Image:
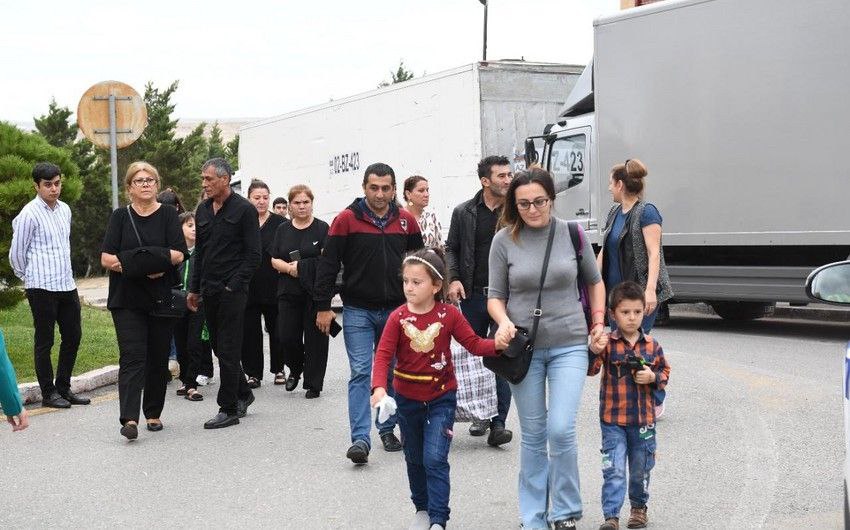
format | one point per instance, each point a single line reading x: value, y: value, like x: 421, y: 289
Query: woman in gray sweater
x: 548, y: 480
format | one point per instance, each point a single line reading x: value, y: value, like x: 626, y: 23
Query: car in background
x: 830, y: 284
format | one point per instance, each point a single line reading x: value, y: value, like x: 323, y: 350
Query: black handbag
x: 167, y: 304
x: 171, y: 305
x: 512, y: 364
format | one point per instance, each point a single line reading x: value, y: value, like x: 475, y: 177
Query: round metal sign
x: 131, y: 114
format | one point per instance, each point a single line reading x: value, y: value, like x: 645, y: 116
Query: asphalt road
x: 752, y: 439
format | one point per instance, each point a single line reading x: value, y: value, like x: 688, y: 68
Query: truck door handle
x: 581, y: 213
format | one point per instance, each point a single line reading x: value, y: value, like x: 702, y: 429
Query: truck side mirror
x: 830, y: 283
x: 531, y: 155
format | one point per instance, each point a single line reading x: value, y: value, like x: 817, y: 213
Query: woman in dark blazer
x: 137, y: 280
x: 262, y: 302
x: 296, y: 250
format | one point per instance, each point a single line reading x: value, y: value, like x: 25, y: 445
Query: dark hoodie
x: 370, y: 255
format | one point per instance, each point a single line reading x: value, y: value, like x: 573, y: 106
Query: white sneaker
x: 421, y: 521
x: 203, y: 380
x: 435, y: 526
x: 174, y: 368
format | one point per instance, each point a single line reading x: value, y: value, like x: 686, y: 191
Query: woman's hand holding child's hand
x: 377, y: 395
x: 645, y: 376
x: 598, y: 340
x: 504, y: 334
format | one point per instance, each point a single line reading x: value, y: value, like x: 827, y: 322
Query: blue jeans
x: 646, y: 326
x: 362, y: 330
x: 619, y: 443
x: 553, y: 474
x: 426, y: 433
x: 474, y: 308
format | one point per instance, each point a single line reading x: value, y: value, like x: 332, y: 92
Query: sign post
x: 118, y: 125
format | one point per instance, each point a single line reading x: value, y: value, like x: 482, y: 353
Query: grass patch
x: 98, y: 348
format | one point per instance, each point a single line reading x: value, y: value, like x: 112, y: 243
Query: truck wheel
x: 743, y: 310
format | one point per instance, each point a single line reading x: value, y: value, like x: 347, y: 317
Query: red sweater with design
x: 421, y: 345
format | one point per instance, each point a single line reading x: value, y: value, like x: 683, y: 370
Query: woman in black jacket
x: 262, y: 302
x: 142, y: 245
x: 295, y: 253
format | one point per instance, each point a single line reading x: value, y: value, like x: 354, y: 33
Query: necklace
x: 144, y: 210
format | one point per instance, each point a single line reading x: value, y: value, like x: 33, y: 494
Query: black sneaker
x: 479, y: 427
x: 499, y: 435
x: 55, y: 401
x: 243, y: 404
x: 565, y: 524
x: 358, y: 453
x: 221, y: 420
x: 391, y: 442
x: 74, y: 399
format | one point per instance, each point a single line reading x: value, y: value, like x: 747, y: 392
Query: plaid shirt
x: 621, y: 400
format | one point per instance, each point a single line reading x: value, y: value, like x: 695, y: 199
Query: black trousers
x: 144, y: 343
x: 192, y: 352
x: 252, y: 340
x: 225, y: 312
x: 48, y: 309
x: 305, y: 348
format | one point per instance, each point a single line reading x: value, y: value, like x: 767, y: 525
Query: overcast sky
x: 262, y: 58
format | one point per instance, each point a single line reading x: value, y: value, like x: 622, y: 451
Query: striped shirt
x: 621, y: 400
x: 41, y: 246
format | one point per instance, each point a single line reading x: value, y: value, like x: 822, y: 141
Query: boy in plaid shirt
x: 634, y: 367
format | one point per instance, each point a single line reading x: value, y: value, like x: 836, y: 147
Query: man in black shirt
x: 467, y: 257
x: 227, y: 247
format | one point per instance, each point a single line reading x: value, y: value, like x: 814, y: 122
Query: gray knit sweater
x: 515, y: 268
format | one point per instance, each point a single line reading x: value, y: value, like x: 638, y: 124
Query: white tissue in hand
x: 386, y: 408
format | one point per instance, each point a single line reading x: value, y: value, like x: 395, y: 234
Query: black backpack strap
x: 575, y: 237
x: 538, y: 310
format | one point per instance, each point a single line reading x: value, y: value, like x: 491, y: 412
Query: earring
x: 410, y: 203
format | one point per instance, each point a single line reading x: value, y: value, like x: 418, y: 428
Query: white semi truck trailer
x: 438, y: 126
x: 741, y: 112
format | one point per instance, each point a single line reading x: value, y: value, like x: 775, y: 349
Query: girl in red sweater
x: 418, y: 334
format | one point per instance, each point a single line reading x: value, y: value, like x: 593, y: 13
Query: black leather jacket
x: 460, y: 244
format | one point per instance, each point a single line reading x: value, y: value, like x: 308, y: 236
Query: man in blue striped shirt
x: 41, y: 257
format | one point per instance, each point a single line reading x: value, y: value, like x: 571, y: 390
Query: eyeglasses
x: 144, y: 182
x: 538, y: 203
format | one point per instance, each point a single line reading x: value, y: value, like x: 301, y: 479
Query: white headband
x: 420, y: 260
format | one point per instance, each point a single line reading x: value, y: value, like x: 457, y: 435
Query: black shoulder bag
x: 514, y: 361
x: 170, y: 304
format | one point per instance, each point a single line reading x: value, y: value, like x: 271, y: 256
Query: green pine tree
x: 232, y: 152
x: 216, y: 143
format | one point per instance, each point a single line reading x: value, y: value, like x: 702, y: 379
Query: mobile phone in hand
x: 295, y: 255
x: 335, y: 328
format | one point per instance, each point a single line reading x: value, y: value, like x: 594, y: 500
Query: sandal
x: 253, y: 382
x: 181, y: 391
x: 280, y: 378
x: 194, y: 395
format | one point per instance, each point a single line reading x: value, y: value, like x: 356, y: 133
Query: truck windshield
x: 567, y: 161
